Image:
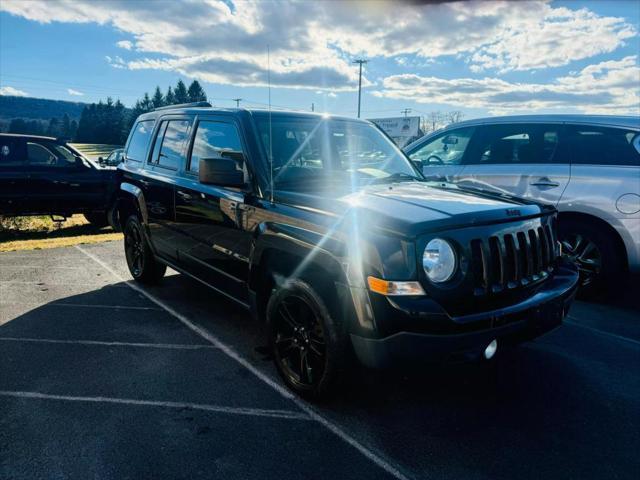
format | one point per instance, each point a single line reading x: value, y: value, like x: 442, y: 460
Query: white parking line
x: 255, y: 412
x: 169, y: 346
x: 374, y: 457
x: 600, y: 332
x: 117, y: 307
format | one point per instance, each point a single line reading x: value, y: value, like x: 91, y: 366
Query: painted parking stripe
x: 117, y: 307
x: 369, y: 453
x: 169, y: 346
x: 255, y: 412
x: 600, y: 332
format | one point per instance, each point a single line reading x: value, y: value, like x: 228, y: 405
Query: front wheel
x: 308, y: 345
x: 143, y: 265
x: 595, y: 254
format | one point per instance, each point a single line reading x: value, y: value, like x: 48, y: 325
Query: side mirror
x: 220, y: 171
x: 79, y: 163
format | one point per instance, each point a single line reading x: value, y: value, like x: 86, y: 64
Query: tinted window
x: 602, y: 146
x: 12, y: 152
x: 137, y: 147
x: 173, y: 142
x: 215, y: 139
x: 519, y: 143
x: 49, y: 154
x: 445, y: 149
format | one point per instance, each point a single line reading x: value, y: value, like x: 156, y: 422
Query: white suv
x: 588, y: 166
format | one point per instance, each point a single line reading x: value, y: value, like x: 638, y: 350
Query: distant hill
x: 38, y: 108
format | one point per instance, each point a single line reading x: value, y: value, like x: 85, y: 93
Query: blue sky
x: 480, y: 58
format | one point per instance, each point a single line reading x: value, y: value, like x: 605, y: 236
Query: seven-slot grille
x: 512, y: 259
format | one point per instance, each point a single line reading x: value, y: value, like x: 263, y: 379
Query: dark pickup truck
x: 47, y: 176
x: 326, y: 232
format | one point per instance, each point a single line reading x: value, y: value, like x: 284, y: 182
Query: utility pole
x: 237, y: 100
x: 313, y: 107
x: 406, y: 111
x: 360, y: 62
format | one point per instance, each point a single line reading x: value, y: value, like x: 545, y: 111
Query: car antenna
x: 270, y: 131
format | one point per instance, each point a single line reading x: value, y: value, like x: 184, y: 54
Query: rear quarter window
x: 139, y: 140
x: 603, y: 146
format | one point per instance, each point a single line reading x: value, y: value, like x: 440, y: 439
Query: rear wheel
x: 594, y: 252
x: 143, y: 265
x: 308, y: 345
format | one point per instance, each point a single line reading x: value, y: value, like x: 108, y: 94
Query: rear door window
x: 602, y: 146
x: 515, y: 144
x: 169, y: 149
x: 139, y: 140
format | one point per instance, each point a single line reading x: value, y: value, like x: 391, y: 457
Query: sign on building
x: 401, y: 129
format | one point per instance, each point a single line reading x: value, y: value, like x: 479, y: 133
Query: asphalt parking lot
x: 101, y: 379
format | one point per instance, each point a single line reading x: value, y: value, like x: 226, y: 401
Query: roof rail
x: 183, y: 105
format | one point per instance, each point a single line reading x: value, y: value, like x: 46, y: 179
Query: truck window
x: 12, y: 152
x: 215, y: 139
x: 139, y: 140
x: 172, y: 145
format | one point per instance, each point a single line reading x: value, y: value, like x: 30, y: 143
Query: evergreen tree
x: 53, y: 130
x: 73, y: 130
x: 17, y: 125
x: 170, y: 98
x: 66, y: 127
x: 181, y: 92
x: 157, y: 99
x: 196, y: 92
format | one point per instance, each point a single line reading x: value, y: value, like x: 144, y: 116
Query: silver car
x: 588, y: 166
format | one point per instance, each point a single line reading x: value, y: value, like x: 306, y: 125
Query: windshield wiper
x: 396, y: 177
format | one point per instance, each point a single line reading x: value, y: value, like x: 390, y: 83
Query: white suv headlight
x: 439, y: 260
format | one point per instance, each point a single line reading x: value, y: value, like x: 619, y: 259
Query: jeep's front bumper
x: 469, y: 335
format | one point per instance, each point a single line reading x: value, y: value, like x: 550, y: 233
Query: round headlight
x: 439, y: 260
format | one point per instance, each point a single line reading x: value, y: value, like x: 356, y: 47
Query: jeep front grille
x: 510, y: 260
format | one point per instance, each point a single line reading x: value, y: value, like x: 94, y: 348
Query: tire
x: 97, y: 219
x: 308, y: 345
x: 143, y: 265
x: 594, y: 252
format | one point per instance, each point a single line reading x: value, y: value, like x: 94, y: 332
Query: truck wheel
x: 97, y: 219
x: 143, y: 265
x: 307, y: 344
x: 594, y: 252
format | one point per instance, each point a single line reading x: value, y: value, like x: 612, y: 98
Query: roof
x: 612, y: 120
x: 20, y: 135
x: 242, y: 111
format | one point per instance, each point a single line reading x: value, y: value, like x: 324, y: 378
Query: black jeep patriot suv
x: 322, y: 228
x: 47, y: 176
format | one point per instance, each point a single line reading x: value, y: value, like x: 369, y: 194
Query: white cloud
x: 73, y: 92
x: 312, y: 42
x: 606, y: 87
x: 126, y: 44
x: 10, y: 91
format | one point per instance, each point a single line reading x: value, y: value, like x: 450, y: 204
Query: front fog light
x: 439, y: 260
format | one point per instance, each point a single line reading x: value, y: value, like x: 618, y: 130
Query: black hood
x: 413, y: 208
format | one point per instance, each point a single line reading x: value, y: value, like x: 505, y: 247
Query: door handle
x: 184, y: 196
x: 545, y: 182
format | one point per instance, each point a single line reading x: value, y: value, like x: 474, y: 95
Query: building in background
x: 403, y: 130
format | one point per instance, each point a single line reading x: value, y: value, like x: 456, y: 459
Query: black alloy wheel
x: 308, y: 343
x: 142, y: 264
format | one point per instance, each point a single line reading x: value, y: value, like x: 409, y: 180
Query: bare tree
x: 454, y: 116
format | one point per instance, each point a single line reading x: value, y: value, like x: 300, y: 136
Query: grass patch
x: 32, y: 233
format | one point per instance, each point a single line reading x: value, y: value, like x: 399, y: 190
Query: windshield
x: 321, y: 153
